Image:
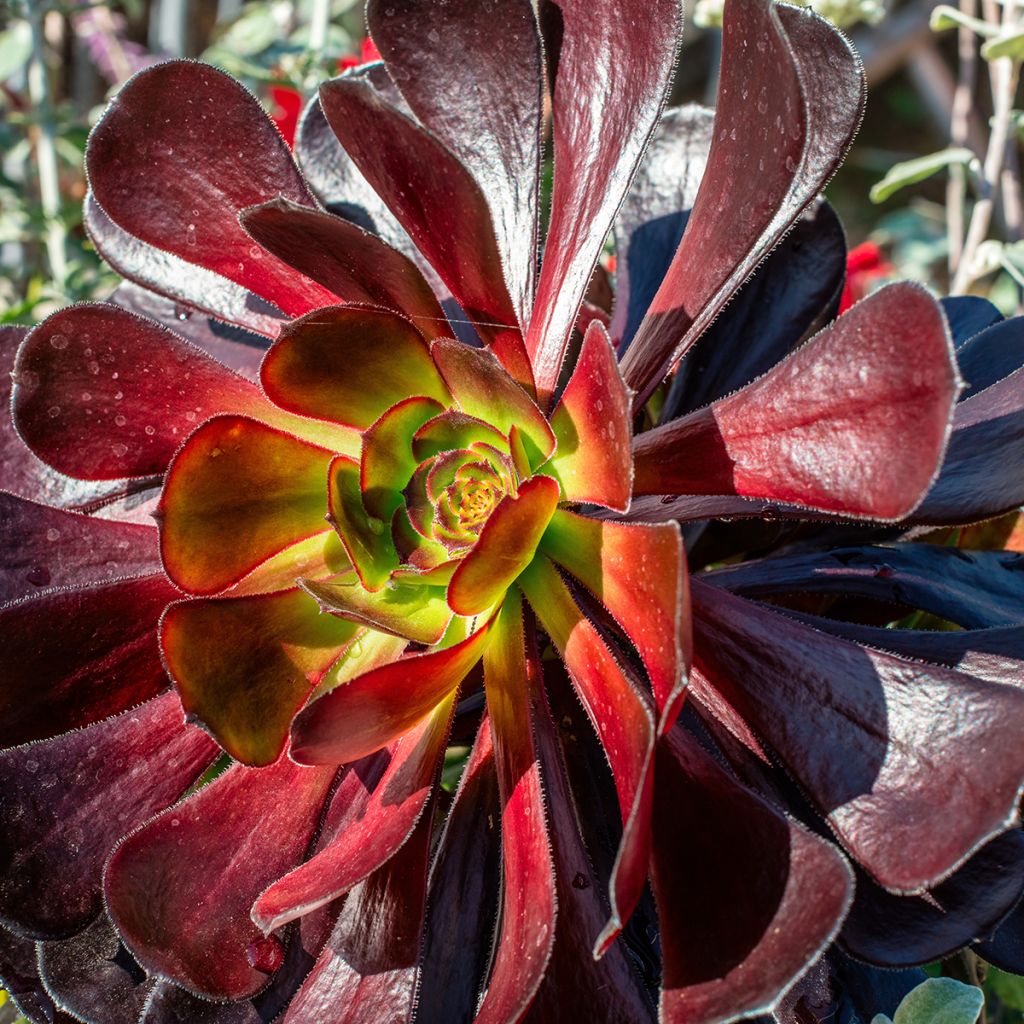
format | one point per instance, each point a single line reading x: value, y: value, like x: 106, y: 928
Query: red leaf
x: 622, y: 720
x: 790, y: 99
x: 180, y: 888
x: 620, y: 55
x: 828, y: 427
x: 513, y: 683
x: 377, y: 818
x: 202, y: 150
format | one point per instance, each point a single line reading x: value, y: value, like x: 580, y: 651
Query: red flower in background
x: 287, y: 102
x: 866, y: 267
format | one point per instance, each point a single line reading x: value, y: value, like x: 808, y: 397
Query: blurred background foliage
x: 930, y: 191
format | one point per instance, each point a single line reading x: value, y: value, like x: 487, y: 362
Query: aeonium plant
x: 440, y: 522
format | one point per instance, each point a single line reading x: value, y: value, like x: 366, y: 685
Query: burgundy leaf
x: 66, y: 801
x: 827, y: 427
x: 748, y: 899
x: 790, y: 99
x: 101, y: 393
x: 25, y: 474
x: 237, y: 348
x: 168, y: 1004
x: 650, y: 223
x: 367, y: 971
x: 20, y: 980
x: 179, y: 889
x: 794, y: 292
x: 483, y: 101
x: 437, y: 202
x: 92, y: 975
x: 975, y: 589
x: 979, y: 478
x: 513, y: 681
x: 605, y: 989
x: 346, y: 259
x: 108, y: 659
x: 377, y: 820
x: 623, y: 720
x: 917, y: 789
x: 903, y: 931
x: 48, y: 547
x: 202, y: 150
x: 465, y: 878
x: 620, y: 56
x: 169, y: 275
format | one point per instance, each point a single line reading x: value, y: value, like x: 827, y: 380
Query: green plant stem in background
x: 45, y: 148
x: 959, y: 133
x: 319, y: 20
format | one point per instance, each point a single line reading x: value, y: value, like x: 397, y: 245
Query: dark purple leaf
x: 107, y: 660
x: 793, y: 293
x: 605, y: 989
x: 1005, y: 948
x: 48, y: 547
x: 463, y: 895
x: 790, y: 98
x: 904, y: 931
x: 930, y: 769
x: 968, y: 315
x: 20, y: 979
x: 202, y: 150
x: 168, y: 1004
x: 974, y: 589
x: 66, y: 801
x: 979, y: 477
x: 748, y: 899
x: 620, y: 56
x: 473, y: 75
x: 94, y: 976
x: 990, y: 356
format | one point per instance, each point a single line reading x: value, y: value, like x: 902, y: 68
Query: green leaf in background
x: 1010, y: 44
x: 944, y: 17
x: 1008, y: 988
x: 911, y: 171
x: 937, y: 1001
x: 15, y: 48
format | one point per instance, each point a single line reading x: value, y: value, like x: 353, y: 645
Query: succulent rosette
x: 421, y: 498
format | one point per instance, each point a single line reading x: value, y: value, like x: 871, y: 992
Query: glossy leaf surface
x: 180, y: 888
x: 592, y: 425
x: 203, y: 151
x: 374, y: 709
x: 827, y: 427
x: 54, y: 843
x: 917, y: 791
x: 238, y: 492
x: 244, y: 665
